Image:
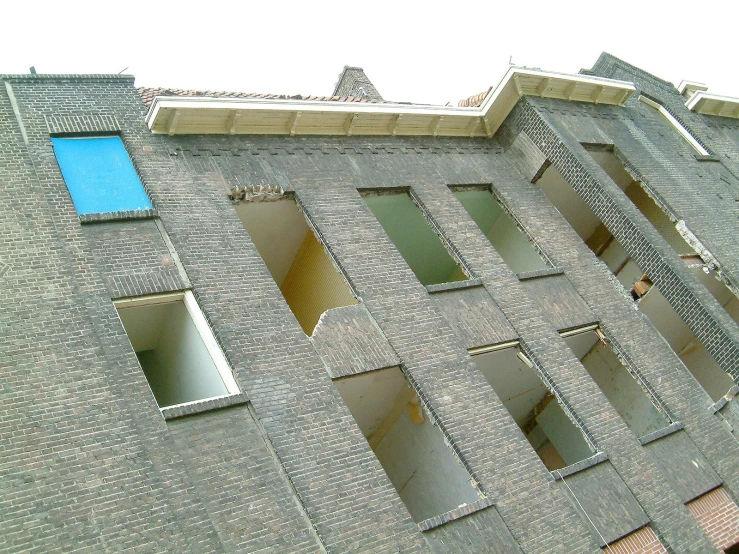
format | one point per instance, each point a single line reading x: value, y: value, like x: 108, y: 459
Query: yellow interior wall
x: 313, y: 285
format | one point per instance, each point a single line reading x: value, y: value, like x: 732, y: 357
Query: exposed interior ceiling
x: 372, y: 396
x: 613, y: 166
x: 277, y: 229
x: 582, y: 343
x: 482, y: 207
x: 518, y: 386
x: 568, y: 202
x: 500, y: 229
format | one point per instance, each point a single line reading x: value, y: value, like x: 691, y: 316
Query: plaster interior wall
x: 685, y: 344
x: 298, y: 262
x: 623, y: 391
x: 416, y: 241
x: 172, y: 354
x: 590, y: 228
x: 639, y: 197
x: 719, y: 291
x: 502, y: 232
x: 429, y: 478
x: 556, y: 439
x: 678, y: 335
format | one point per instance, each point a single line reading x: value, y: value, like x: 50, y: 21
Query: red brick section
x: 718, y: 516
x: 643, y: 541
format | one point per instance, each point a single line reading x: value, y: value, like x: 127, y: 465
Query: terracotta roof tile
x: 148, y: 93
x: 474, y: 101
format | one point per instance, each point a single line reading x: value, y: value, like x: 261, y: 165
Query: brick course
x: 88, y: 462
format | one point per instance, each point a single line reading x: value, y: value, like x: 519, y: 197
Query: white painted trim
x: 493, y: 110
x: 200, y: 401
x: 210, y: 342
x: 695, y: 85
x: 579, y: 330
x: 198, y: 319
x: 517, y: 72
x: 691, y: 104
x: 146, y: 300
x: 676, y: 124
x: 493, y: 347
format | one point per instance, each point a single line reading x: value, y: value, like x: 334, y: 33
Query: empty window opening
x: 503, y: 233
x: 626, y: 395
x: 99, y: 175
x: 298, y: 262
x: 717, y: 288
x: 176, y: 348
x: 635, y: 192
x: 416, y: 241
x: 429, y: 478
x: 651, y: 302
x: 714, y: 380
x: 556, y: 439
x: 590, y: 228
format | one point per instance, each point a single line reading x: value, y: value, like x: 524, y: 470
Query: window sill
x: 454, y: 285
x: 118, y: 216
x: 725, y: 399
x: 200, y: 406
x: 594, y: 460
x: 525, y: 275
x: 707, y: 158
x: 456, y: 513
x: 659, y: 433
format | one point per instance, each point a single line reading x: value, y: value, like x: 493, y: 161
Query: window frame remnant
x: 608, y: 342
x: 203, y: 329
x: 552, y: 394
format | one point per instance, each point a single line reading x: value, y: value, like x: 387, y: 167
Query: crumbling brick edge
x: 118, y: 216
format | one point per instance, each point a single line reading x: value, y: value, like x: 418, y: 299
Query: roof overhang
x: 714, y: 104
x: 255, y: 116
x: 689, y: 88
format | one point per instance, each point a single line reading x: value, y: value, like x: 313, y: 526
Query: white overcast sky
x: 422, y: 52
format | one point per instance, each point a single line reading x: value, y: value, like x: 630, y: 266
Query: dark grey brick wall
x: 229, y: 462
x: 86, y: 458
x: 133, y: 257
x: 700, y: 311
x: 89, y: 463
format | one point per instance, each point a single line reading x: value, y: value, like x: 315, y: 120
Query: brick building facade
x: 257, y: 323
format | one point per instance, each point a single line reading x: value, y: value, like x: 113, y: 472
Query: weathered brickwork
x: 89, y: 463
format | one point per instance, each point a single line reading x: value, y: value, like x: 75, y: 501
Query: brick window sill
x: 456, y: 513
x: 118, y: 216
x: 594, y: 460
x: 201, y: 406
x: 454, y: 285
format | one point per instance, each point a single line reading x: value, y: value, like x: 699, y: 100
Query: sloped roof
x: 149, y: 93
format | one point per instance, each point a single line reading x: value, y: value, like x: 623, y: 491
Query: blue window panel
x: 99, y: 175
